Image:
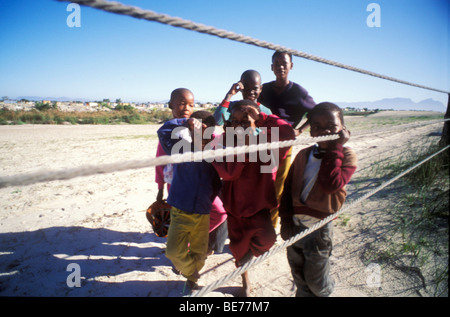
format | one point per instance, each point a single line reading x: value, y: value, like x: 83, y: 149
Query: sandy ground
x: 98, y: 222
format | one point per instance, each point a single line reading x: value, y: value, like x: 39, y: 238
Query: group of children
x: 235, y: 198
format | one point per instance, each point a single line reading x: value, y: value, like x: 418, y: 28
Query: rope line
x: 88, y: 170
x: 304, y: 233
x: 119, y: 8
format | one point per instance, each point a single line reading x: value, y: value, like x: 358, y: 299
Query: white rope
x: 304, y: 233
x: 119, y: 8
x: 87, y: 170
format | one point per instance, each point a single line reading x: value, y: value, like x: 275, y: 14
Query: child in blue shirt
x: 194, y: 187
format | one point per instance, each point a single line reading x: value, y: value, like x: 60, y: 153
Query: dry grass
x: 100, y: 117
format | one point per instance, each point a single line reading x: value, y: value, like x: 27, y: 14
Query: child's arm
x: 222, y: 114
x: 287, y: 229
x: 336, y: 170
x: 235, y: 88
x: 285, y: 130
x: 165, y: 134
x: 307, y: 102
x: 187, y: 128
x: 159, y: 174
x: 264, y: 109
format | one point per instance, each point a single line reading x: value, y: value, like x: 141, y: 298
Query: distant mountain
x: 397, y: 104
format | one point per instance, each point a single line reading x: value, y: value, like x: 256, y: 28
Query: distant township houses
x: 77, y: 106
x: 95, y: 106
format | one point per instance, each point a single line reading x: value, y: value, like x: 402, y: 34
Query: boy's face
x: 182, y: 105
x: 244, y: 119
x: 252, y: 89
x: 281, y: 65
x: 326, y: 123
x: 205, y: 139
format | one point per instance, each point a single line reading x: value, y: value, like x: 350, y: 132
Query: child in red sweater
x: 313, y: 190
x: 248, y: 188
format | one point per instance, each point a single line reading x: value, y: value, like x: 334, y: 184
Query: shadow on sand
x: 35, y: 263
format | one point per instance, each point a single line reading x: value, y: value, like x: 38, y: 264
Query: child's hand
x: 235, y: 88
x: 287, y: 229
x: 159, y: 196
x: 252, y: 113
x: 197, y: 129
x: 344, y: 136
x: 195, y: 126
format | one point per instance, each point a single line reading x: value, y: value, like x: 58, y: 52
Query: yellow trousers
x: 282, y: 173
x: 187, y: 242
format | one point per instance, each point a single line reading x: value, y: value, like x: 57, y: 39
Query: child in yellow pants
x: 195, y: 185
x: 192, y: 230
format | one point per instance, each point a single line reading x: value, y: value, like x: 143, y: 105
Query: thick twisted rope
x: 87, y: 170
x: 304, y: 233
x: 119, y: 8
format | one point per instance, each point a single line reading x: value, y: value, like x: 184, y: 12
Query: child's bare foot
x: 245, y: 285
x: 176, y: 271
x: 195, y: 275
x: 191, y: 285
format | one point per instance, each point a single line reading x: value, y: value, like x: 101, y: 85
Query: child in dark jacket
x: 313, y: 190
x: 290, y: 102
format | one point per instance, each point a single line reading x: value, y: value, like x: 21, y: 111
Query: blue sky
x: 112, y: 56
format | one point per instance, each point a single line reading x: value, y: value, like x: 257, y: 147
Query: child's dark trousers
x: 309, y: 262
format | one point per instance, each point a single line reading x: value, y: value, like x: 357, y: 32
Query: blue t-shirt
x: 195, y: 185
